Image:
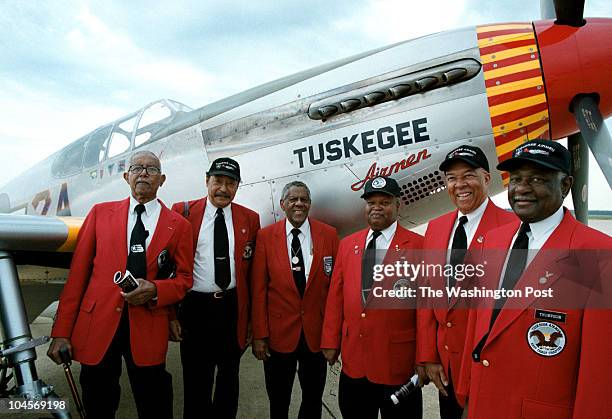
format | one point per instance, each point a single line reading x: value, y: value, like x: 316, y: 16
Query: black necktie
x: 515, y: 266
x: 458, y: 248
x: 137, y: 257
x: 221, y: 246
x: 297, y: 262
x: 367, y: 266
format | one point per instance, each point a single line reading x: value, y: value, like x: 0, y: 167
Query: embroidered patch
x: 328, y: 263
x: 249, y: 247
x: 400, y: 286
x: 379, y: 183
x: 546, y: 338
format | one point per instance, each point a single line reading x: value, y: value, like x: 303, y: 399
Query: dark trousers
x: 151, y: 386
x: 280, y: 371
x: 359, y: 398
x: 449, y: 407
x: 210, y: 342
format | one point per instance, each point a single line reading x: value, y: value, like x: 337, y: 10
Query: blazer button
x: 118, y: 309
x: 363, y: 315
x: 485, y: 363
x: 302, y: 312
x: 449, y: 324
x: 446, y: 347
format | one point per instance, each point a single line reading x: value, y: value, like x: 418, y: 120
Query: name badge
x: 554, y: 316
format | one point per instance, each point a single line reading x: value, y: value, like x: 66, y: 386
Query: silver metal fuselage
x: 274, y: 132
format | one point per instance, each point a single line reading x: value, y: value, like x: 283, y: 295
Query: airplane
x: 396, y: 110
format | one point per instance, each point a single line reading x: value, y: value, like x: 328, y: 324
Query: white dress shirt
x: 305, y: 244
x: 471, y: 225
x: 539, y: 234
x: 383, y: 241
x: 149, y: 218
x: 204, y: 262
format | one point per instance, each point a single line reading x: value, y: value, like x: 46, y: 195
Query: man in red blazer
x: 538, y: 357
x: 214, y: 316
x: 377, y: 345
x: 290, y: 280
x: 440, y: 324
x: 98, y: 323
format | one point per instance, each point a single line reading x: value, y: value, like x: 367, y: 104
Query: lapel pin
x: 243, y: 231
x: 544, y: 278
x: 480, y: 239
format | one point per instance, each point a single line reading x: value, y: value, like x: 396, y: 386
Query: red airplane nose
x: 575, y: 60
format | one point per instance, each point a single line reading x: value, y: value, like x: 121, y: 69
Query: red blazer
x: 90, y: 305
x: 279, y: 313
x: 378, y: 344
x: 441, y: 330
x: 515, y: 381
x: 246, y: 225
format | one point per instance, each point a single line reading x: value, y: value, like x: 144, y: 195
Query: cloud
x: 72, y: 65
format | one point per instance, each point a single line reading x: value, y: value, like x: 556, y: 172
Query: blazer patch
x: 249, y: 248
x: 546, y: 339
x: 328, y: 263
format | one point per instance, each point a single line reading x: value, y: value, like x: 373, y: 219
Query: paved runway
x: 253, y: 398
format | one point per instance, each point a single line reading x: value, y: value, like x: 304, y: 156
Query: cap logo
x: 225, y: 165
x: 379, y: 183
x: 462, y: 152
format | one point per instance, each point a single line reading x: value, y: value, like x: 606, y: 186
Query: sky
x: 69, y: 66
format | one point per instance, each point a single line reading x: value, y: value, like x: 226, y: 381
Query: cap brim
x: 444, y: 165
x: 507, y: 165
x: 223, y: 173
x: 365, y: 195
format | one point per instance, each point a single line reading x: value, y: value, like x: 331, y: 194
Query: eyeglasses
x: 151, y: 170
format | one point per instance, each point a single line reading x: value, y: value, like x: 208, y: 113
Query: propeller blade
x: 569, y: 12
x: 595, y: 132
x: 580, y: 172
x: 547, y: 9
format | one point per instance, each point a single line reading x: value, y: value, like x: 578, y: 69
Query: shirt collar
x: 546, y: 226
x: 211, y: 209
x: 475, y: 215
x: 304, y: 228
x: 387, y: 233
x: 150, y: 206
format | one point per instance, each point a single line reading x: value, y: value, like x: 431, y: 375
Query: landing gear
x: 17, y: 349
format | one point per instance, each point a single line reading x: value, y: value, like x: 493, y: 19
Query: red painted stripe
x: 513, y: 135
x: 521, y: 75
x: 514, y: 95
x: 518, y: 114
x: 510, y: 61
x: 492, y: 34
x: 505, y: 157
x: 492, y: 49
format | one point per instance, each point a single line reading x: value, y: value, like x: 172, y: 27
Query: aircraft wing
x: 38, y: 240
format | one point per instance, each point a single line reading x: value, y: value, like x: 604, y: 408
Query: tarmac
x: 253, y: 402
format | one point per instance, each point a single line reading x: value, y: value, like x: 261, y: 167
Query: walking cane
x: 67, y: 361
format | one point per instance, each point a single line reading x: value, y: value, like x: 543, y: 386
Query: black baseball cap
x: 546, y: 153
x: 470, y: 154
x: 381, y: 184
x: 224, y: 166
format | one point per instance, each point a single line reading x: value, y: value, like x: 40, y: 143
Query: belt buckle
x: 219, y: 294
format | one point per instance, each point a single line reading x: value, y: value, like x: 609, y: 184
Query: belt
x: 217, y: 295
